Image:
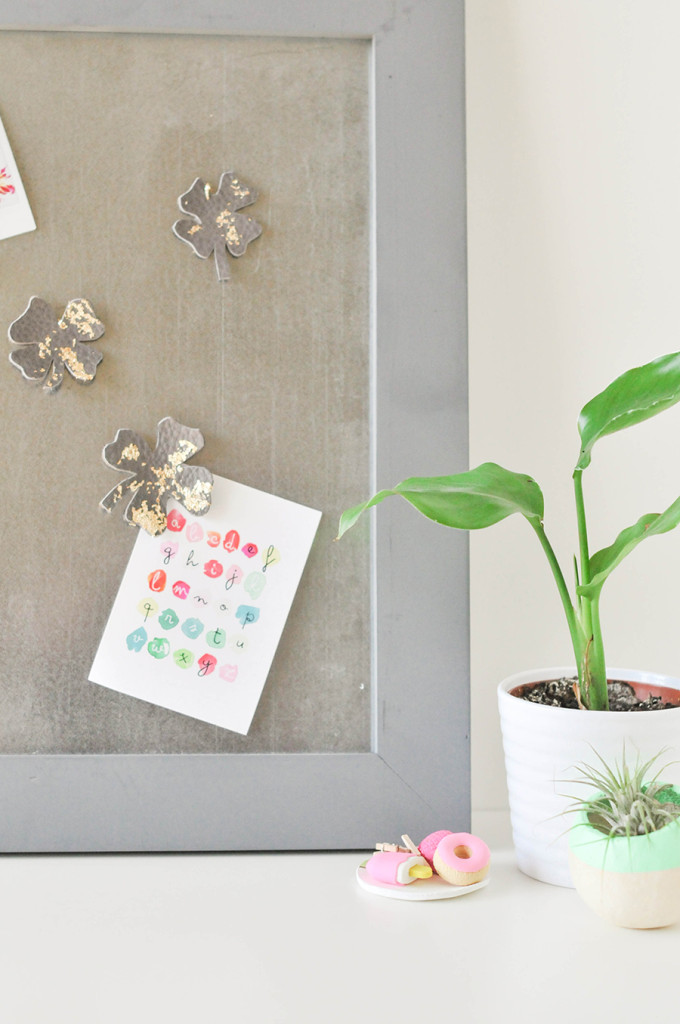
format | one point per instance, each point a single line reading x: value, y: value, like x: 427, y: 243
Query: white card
x: 200, y: 610
x: 15, y: 213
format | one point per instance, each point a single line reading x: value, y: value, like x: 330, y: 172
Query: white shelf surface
x: 273, y: 938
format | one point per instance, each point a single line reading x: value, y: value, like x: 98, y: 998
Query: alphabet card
x: 15, y: 213
x: 201, y: 609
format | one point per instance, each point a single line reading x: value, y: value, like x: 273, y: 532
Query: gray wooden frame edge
x: 417, y: 776
x: 135, y: 802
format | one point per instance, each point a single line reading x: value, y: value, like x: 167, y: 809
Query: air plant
x: 627, y: 803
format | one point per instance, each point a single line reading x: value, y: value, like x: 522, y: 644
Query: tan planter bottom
x: 630, y: 899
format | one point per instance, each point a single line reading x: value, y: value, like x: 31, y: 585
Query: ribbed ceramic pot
x: 631, y: 882
x: 543, y: 744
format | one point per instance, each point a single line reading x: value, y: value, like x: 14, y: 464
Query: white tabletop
x: 269, y: 938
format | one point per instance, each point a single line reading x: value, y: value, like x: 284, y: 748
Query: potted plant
x: 624, y: 848
x: 543, y: 741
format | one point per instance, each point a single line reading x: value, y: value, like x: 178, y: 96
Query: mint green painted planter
x: 632, y: 882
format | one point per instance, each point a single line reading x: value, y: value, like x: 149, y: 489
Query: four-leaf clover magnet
x: 155, y: 477
x: 217, y: 227
x: 47, y: 346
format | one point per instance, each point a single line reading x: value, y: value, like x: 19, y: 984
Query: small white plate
x: 434, y: 888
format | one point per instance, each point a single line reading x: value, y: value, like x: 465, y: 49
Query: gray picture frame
x: 416, y: 776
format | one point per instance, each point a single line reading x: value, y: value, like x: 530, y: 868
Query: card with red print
x: 15, y: 213
x: 201, y: 608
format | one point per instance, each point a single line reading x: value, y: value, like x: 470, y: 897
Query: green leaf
x: 603, y: 562
x: 465, y: 501
x: 349, y: 518
x: 633, y: 397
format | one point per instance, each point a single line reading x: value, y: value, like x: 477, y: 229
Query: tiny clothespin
x: 410, y: 846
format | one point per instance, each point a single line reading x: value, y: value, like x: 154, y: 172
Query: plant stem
x: 593, y: 674
x: 584, y: 555
x: 575, y: 631
x: 596, y: 668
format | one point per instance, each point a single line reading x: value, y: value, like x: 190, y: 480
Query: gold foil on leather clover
x: 46, y: 346
x: 154, y: 477
x: 217, y: 226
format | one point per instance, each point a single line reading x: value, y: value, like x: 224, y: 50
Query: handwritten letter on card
x: 200, y: 610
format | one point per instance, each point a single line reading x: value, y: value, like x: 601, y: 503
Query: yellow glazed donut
x: 462, y: 859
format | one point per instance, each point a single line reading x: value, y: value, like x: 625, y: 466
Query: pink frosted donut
x: 462, y: 859
x: 430, y: 844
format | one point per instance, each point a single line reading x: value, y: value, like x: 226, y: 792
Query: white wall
x: 574, y: 276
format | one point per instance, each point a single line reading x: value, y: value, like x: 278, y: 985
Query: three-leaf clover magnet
x: 156, y: 476
x: 217, y: 226
x: 47, y: 346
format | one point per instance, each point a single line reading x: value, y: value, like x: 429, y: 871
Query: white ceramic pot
x: 543, y: 744
x: 633, y: 882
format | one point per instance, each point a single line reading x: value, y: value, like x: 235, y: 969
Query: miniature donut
x: 430, y: 843
x: 462, y: 859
